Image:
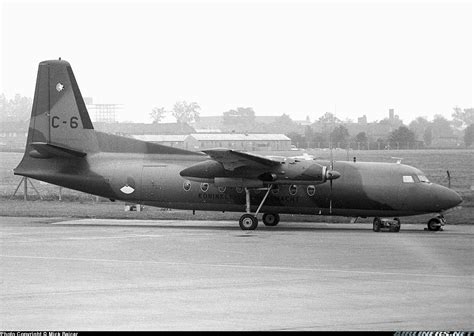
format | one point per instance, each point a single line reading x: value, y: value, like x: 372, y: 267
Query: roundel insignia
x: 59, y: 87
x: 126, y: 189
x: 129, y: 187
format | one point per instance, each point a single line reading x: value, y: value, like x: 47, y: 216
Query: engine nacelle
x: 204, y: 170
x: 289, y: 172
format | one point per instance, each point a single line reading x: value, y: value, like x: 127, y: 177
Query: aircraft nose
x: 447, y: 198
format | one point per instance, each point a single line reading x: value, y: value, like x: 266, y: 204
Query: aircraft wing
x: 231, y: 159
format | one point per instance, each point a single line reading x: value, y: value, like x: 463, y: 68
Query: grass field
x: 434, y: 163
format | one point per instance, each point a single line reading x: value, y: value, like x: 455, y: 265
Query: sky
x: 301, y: 58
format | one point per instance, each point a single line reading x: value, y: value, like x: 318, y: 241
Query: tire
x: 248, y: 222
x: 396, y: 228
x: 270, y: 219
x: 434, y: 224
x: 377, y: 223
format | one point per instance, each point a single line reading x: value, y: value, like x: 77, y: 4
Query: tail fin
x: 59, y: 118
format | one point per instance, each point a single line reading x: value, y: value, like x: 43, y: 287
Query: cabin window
x: 187, y: 185
x: 311, y: 190
x: 275, y: 189
x: 408, y: 179
x: 204, y: 186
x: 293, y: 189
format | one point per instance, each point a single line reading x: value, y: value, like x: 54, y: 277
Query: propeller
x: 331, y: 174
x: 331, y: 168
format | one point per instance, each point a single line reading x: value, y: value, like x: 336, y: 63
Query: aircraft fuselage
x: 365, y: 189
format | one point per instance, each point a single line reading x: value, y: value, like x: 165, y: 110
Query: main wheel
x: 396, y: 228
x: 270, y: 219
x: 434, y: 224
x: 248, y: 222
x: 377, y: 224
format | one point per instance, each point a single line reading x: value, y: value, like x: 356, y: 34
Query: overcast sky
x: 299, y: 58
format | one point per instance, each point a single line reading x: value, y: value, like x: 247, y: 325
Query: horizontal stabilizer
x: 45, y: 150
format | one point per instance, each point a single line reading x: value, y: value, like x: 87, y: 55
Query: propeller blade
x: 332, y: 161
x: 330, y: 196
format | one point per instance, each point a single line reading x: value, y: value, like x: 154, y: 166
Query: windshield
x: 423, y: 178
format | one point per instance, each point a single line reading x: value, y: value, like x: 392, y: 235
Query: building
x: 237, y: 141
x: 171, y: 140
x: 259, y: 124
x: 132, y: 129
x: 13, y: 136
x: 105, y: 113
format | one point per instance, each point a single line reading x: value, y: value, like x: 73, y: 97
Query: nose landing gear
x: 436, y: 223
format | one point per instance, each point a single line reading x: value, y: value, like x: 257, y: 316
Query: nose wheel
x: 436, y: 223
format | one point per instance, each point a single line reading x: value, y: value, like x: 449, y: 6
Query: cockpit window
x: 408, y: 179
x: 423, y: 178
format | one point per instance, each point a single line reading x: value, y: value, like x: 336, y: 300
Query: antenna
x: 399, y: 160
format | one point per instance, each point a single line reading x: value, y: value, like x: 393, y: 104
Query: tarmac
x: 101, y: 274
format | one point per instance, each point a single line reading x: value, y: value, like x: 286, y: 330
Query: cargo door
x: 153, y: 182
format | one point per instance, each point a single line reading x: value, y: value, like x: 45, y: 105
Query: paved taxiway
x: 169, y: 275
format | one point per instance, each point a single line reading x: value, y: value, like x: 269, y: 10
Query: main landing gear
x: 392, y: 225
x: 249, y: 221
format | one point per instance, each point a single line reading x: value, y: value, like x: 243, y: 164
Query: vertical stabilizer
x: 59, y: 116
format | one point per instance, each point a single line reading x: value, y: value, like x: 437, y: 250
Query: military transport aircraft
x: 64, y: 149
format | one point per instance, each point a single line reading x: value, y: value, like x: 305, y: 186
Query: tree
x: 419, y: 126
x: 157, y: 114
x: 469, y: 135
x: 463, y: 117
x: 185, y: 112
x: 327, y: 123
x: 329, y: 118
x: 339, y: 135
x: 428, y: 135
x: 241, y: 116
x: 284, y: 119
x: 402, y: 136
x: 361, y: 137
x: 361, y: 140
x: 441, y: 127
x: 297, y: 139
x: 16, y: 109
x: 282, y: 124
